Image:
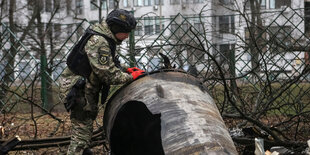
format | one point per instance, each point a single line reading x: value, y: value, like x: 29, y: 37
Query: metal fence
x: 257, y: 74
x: 29, y: 75
x: 16, y: 77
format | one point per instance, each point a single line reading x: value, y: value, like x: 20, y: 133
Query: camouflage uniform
x: 103, y: 71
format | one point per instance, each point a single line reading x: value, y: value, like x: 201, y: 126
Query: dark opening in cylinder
x: 136, y: 131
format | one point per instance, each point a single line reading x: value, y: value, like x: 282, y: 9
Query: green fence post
x: 232, y: 62
x: 232, y: 69
x: 132, y: 47
x: 43, y: 81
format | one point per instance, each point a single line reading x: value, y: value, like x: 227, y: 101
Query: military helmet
x: 121, y: 21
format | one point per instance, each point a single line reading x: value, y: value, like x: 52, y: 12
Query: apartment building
x: 226, y: 27
x: 279, y: 24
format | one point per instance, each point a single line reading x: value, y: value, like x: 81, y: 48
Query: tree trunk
x: 255, y: 41
x: 9, y: 55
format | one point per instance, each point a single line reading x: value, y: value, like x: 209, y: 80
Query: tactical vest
x: 77, y: 60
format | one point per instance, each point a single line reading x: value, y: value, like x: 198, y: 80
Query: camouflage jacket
x: 101, y: 61
x: 100, y: 57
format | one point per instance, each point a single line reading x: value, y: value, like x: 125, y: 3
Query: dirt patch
x: 40, y: 126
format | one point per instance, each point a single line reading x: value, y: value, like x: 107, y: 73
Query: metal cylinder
x: 166, y: 113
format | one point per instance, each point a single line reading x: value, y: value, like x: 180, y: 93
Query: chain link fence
x: 257, y: 74
x: 19, y: 69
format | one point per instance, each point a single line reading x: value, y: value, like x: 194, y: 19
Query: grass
x: 296, y: 94
x: 23, y: 126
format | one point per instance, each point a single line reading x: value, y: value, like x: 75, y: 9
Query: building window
x: 159, y: 2
x: 104, y: 5
x: 138, y: 30
x: 227, y: 24
x: 226, y: 2
x: 224, y: 24
x: 198, y: 1
x: 57, y: 31
x: 148, y: 2
x: 111, y: 4
x: 93, y: 4
x: 224, y: 56
x: 275, y: 4
x: 159, y: 21
x: 280, y: 38
x: 248, y: 4
x: 232, y: 24
x: 263, y: 4
x: 5, y: 6
x: 138, y: 2
x: 148, y: 25
x: 186, y: 1
x: 174, y: 1
x: 126, y: 3
x: 69, y: 29
x: 224, y: 49
x: 79, y: 7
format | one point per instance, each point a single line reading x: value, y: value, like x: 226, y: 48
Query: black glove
x: 74, y: 94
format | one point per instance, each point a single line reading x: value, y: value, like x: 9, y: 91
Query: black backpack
x: 77, y: 60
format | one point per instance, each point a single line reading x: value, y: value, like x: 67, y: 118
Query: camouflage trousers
x: 81, y: 133
x: 83, y: 113
x: 82, y: 117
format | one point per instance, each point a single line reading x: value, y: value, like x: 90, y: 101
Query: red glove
x: 136, y: 74
x: 133, y: 69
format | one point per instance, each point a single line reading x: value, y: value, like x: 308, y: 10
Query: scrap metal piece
x: 259, y: 146
x: 167, y: 64
x: 165, y: 113
x: 9, y: 145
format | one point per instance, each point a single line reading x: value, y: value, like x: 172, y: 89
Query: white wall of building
x: 212, y: 9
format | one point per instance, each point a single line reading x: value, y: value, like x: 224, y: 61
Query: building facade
x: 224, y: 22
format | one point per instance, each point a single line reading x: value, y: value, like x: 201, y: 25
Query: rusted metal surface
x: 173, y: 113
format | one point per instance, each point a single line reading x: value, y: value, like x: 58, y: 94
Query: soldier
x: 82, y: 95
